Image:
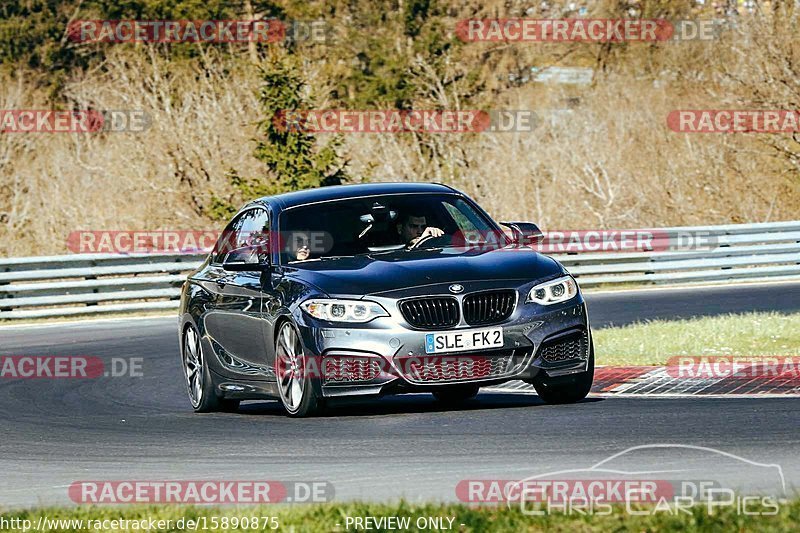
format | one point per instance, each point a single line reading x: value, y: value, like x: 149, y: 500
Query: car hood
x: 371, y: 274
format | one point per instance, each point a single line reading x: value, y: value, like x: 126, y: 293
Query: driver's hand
x: 431, y: 232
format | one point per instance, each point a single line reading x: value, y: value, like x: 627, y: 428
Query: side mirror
x: 247, y: 259
x: 525, y: 232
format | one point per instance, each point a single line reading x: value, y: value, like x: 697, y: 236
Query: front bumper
x: 388, y: 356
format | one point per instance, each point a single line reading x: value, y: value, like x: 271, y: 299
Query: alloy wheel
x: 290, y: 368
x: 193, y: 365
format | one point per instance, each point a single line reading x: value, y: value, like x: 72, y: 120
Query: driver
x: 412, y: 227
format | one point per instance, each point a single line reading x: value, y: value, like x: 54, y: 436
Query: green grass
x: 652, y: 343
x: 325, y: 517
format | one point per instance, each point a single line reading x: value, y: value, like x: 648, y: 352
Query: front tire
x: 200, y: 386
x: 567, y: 389
x: 294, y: 380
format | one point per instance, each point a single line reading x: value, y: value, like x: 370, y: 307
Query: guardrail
x: 92, y: 284
x: 96, y: 284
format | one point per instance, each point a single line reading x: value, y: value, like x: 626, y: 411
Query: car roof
x: 341, y: 192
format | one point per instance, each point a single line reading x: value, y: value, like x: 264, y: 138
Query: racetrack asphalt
x: 61, y: 431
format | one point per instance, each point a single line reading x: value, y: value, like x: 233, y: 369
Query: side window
x: 250, y: 228
x: 254, y: 230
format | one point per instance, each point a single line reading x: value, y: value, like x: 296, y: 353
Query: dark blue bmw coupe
x: 366, y: 290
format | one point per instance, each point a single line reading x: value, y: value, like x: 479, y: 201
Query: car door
x: 238, y: 323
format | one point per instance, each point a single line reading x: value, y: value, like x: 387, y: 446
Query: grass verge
x: 333, y: 517
x: 652, y: 343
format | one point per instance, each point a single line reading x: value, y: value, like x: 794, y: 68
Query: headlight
x: 343, y: 310
x: 553, y: 292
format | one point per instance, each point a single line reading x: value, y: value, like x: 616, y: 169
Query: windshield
x: 378, y: 224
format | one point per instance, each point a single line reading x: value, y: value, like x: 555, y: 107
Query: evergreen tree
x: 294, y: 159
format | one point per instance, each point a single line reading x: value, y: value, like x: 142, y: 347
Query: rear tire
x: 456, y: 394
x: 567, y: 389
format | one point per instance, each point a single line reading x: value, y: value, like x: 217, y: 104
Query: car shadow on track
x: 408, y: 404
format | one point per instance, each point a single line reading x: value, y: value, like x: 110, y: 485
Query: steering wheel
x: 430, y: 239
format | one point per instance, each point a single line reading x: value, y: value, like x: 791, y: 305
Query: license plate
x: 462, y: 341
